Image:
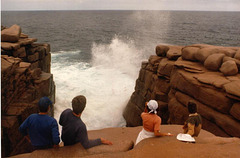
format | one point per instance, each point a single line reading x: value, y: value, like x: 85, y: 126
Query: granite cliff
x: 206, y: 74
x: 25, y: 77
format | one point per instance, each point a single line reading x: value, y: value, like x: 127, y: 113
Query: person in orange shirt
x: 151, y: 122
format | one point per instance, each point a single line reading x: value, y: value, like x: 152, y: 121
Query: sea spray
x: 107, y: 81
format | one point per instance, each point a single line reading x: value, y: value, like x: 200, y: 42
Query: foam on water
x: 107, y: 81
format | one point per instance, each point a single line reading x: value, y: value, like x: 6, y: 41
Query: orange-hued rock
x: 22, y: 83
x: 188, y: 53
x: 195, y: 75
x: 174, y: 52
x: 229, y: 68
x: 202, y: 54
x: 214, y: 61
x: 237, y: 55
x: 11, y: 34
x: 235, y: 111
x: 207, y: 145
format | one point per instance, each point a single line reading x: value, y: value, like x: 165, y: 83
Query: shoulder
x: 80, y: 125
x: 158, y: 118
x: 144, y: 114
x: 32, y: 116
x: 66, y: 112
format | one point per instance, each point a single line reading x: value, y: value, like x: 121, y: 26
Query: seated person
x: 151, y: 122
x: 193, y: 125
x: 42, y: 129
x: 73, y: 128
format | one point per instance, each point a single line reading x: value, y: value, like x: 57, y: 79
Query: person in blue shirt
x: 41, y: 128
x: 74, y: 129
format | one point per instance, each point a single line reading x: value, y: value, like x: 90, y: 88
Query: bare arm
x: 157, y: 133
x: 106, y: 142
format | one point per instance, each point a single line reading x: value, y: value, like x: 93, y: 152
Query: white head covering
x: 152, y: 105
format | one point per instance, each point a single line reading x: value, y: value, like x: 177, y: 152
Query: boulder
x: 233, y: 59
x: 161, y: 50
x: 237, y: 55
x: 214, y: 61
x: 188, y: 53
x: 228, y: 51
x: 229, y: 68
x: 202, y: 54
x: 174, y: 52
x: 11, y: 34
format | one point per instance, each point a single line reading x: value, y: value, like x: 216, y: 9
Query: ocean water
x: 99, y: 53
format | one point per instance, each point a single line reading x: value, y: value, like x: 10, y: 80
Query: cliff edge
x: 207, y: 145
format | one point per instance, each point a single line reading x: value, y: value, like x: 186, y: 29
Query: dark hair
x: 192, y: 107
x: 44, y: 103
x: 78, y: 104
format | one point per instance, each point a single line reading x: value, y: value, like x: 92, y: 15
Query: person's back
x: 151, y: 122
x: 42, y: 129
x: 73, y: 128
x: 193, y: 124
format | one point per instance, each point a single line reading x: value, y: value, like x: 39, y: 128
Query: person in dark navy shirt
x: 73, y: 128
x: 42, y: 129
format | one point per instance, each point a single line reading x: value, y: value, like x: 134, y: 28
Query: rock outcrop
x: 208, y: 75
x: 207, y: 145
x: 25, y: 77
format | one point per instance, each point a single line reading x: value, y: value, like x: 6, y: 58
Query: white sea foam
x: 107, y: 81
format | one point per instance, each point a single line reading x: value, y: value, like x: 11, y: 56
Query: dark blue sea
x: 98, y: 53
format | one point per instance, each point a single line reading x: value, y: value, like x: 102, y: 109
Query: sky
x: 198, y: 5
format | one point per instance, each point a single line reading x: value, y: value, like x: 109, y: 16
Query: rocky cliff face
x: 25, y: 78
x: 208, y: 75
